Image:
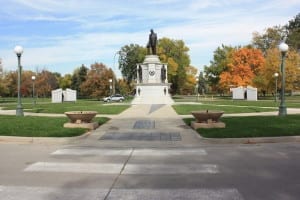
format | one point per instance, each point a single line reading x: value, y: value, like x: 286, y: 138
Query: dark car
x: 115, y: 97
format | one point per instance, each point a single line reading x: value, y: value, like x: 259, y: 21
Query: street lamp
x: 33, y: 97
x: 283, y: 47
x: 120, y: 53
x: 110, y: 86
x: 276, y: 78
x: 197, y: 88
x: 19, y: 50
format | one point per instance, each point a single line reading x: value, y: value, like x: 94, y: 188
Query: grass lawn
x: 257, y: 126
x: 291, y: 101
x: 185, y: 109
x: 81, y: 105
x: 30, y: 126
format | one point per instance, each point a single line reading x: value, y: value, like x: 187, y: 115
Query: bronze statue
x: 140, y: 74
x: 152, y: 42
x: 163, y: 74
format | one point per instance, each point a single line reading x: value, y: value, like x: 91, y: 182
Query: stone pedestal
x: 152, y: 85
x: 90, y: 126
x: 196, y: 125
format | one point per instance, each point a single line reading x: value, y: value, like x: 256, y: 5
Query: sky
x: 61, y: 35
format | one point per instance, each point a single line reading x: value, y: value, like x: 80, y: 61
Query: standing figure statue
x: 152, y: 42
x: 163, y: 74
x: 140, y: 74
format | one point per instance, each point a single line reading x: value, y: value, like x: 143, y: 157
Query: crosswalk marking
x: 136, y: 152
x: 169, y: 152
x: 91, y: 151
x: 151, y: 169
x: 107, y: 168
x: 129, y: 168
x: 38, y: 193
x: 187, y: 194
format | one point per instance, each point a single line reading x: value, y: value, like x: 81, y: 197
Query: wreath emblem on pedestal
x: 151, y: 73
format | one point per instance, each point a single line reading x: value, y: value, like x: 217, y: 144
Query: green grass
x: 29, y: 126
x: 258, y: 126
x: 291, y: 101
x: 81, y: 105
x: 186, y: 109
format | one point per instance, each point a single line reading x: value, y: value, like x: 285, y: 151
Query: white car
x: 115, y: 97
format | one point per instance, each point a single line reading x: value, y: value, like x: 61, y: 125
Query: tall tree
x: 269, y: 39
x: 190, y: 82
x: 130, y: 55
x: 65, y: 81
x: 79, y: 76
x: 97, y: 82
x: 175, y: 53
x: 245, y: 65
x: 221, y: 58
x: 46, y: 81
x: 293, y: 37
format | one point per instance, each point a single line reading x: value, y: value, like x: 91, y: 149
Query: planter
x: 81, y: 116
x: 207, y: 116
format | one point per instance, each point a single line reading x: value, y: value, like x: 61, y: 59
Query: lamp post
x: 110, y: 86
x: 19, y: 50
x: 283, y: 47
x: 197, y: 88
x: 276, y: 78
x: 120, y: 53
x: 33, y: 96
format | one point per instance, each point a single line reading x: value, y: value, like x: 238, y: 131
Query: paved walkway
x: 148, y: 125
x: 145, y: 125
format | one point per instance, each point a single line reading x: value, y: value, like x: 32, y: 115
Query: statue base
x: 152, y: 86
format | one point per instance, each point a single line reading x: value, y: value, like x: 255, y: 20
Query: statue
x: 152, y: 42
x: 140, y: 74
x: 163, y: 74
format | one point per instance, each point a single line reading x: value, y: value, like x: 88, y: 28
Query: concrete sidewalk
x: 145, y: 126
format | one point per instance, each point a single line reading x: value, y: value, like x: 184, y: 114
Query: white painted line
x: 137, y: 152
x: 39, y: 193
x: 93, y: 151
x: 75, y: 167
x: 169, y: 152
x: 187, y: 194
x: 170, y: 169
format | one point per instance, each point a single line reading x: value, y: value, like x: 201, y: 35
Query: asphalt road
x: 207, y: 172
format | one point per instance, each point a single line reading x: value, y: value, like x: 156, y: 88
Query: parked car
x: 115, y: 97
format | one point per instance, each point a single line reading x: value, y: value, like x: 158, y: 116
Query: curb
x: 42, y: 140
x: 256, y: 140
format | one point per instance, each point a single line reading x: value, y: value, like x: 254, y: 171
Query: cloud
x: 63, y: 34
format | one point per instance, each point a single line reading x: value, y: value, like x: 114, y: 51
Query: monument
x: 152, y: 85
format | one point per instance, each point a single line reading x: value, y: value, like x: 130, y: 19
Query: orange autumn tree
x: 244, y: 65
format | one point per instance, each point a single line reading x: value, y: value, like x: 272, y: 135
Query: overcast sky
x: 60, y: 35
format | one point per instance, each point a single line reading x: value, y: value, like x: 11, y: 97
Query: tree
x: 123, y: 87
x: 175, y: 53
x: 245, y: 65
x: 10, y: 83
x: 79, y: 76
x: 221, y: 58
x: 65, y: 82
x: 190, y: 83
x: 269, y: 39
x: 130, y: 55
x: 45, y: 82
x: 293, y: 37
x: 97, y: 83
